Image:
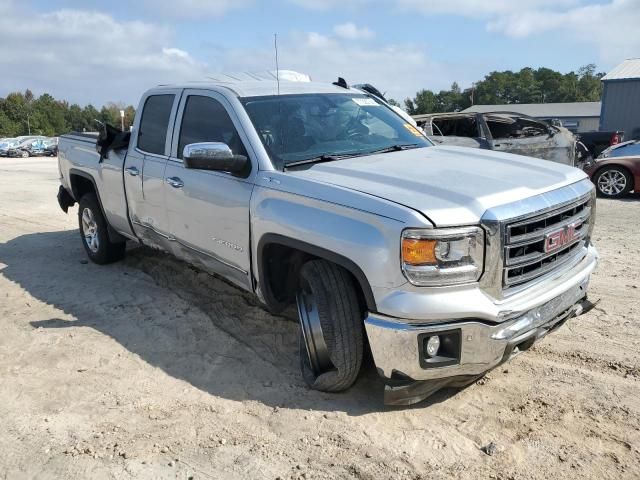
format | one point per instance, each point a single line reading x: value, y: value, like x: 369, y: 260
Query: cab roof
x: 254, y: 86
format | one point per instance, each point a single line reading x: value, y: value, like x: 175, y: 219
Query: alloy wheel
x: 90, y: 230
x: 612, y: 182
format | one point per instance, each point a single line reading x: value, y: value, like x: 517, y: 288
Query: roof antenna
x: 275, y: 45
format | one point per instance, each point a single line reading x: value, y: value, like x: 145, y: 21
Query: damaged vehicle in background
x: 507, y: 132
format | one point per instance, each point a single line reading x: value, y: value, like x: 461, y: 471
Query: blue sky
x: 94, y: 52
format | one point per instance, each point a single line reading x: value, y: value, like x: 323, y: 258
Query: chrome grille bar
x: 536, y: 256
x: 581, y: 217
x: 525, y: 255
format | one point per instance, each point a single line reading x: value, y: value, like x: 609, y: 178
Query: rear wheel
x: 613, y: 181
x: 94, y: 232
x: 331, y: 328
x: 24, y: 154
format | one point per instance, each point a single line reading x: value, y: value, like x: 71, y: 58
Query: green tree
x: 528, y: 85
x: 424, y: 102
x: 589, y: 84
x: 21, y: 112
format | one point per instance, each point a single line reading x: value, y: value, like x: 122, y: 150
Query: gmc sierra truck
x: 444, y: 261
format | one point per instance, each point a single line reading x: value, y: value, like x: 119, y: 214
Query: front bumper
x: 398, y: 345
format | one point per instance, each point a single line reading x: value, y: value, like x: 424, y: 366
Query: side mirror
x: 215, y: 156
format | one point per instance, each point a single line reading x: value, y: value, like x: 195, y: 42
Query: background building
x: 577, y: 116
x: 621, y: 99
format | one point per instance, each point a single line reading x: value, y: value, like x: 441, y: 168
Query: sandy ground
x: 151, y: 369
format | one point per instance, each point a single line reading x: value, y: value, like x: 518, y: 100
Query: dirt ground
x: 150, y: 369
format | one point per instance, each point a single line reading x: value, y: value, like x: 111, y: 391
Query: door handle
x: 133, y: 171
x: 175, y: 182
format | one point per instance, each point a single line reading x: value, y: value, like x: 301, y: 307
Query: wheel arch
x: 277, y: 281
x: 82, y: 183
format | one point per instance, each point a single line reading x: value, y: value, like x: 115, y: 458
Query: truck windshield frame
x: 299, y: 127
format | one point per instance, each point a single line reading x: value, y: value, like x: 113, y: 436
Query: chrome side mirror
x: 215, y: 156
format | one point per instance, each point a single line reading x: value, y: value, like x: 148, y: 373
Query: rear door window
x: 152, y: 134
x: 508, y: 126
x: 455, y: 126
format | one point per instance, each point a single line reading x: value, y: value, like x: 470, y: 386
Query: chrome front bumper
x: 398, y: 353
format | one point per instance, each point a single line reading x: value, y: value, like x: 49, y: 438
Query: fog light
x: 433, y: 345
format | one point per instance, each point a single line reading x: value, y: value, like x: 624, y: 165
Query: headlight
x: 445, y: 256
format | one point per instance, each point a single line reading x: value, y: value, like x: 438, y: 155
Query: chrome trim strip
x: 190, y: 247
x: 149, y: 154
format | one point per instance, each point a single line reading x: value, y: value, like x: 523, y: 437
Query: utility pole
x: 28, y: 124
x: 122, y: 120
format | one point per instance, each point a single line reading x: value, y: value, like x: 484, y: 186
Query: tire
x: 613, y: 181
x: 331, y: 327
x: 24, y: 154
x: 94, y: 232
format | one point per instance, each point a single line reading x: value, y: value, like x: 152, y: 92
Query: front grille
x: 525, y: 258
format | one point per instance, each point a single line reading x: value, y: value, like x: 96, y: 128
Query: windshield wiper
x: 394, y: 148
x: 320, y: 159
x: 330, y: 158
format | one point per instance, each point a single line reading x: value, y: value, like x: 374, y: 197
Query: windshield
x: 295, y: 128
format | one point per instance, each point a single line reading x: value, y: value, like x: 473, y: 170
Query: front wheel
x: 331, y: 328
x: 94, y: 232
x: 613, y: 181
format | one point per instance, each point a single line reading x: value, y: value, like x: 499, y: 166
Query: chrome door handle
x: 175, y: 182
x: 133, y: 171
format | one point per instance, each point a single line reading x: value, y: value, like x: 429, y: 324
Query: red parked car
x: 615, y: 177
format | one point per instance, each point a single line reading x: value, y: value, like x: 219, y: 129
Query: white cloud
x: 479, y: 8
x: 326, y: 57
x: 611, y: 28
x: 350, y: 31
x: 88, y: 56
x: 316, y: 40
x: 329, y: 4
x: 195, y: 8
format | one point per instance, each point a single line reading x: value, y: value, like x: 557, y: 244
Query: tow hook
x: 585, y: 306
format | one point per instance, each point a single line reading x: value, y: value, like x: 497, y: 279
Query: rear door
x: 145, y: 164
x: 209, y: 211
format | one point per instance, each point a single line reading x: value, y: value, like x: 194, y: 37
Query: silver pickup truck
x: 444, y: 261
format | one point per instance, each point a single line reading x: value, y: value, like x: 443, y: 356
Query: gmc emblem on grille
x: 556, y: 240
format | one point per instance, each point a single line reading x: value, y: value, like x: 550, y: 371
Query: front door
x: 209, y: 211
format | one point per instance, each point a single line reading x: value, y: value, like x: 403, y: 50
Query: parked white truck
x: 444, y: 261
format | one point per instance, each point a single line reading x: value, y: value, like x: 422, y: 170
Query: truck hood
x: 449, y: 185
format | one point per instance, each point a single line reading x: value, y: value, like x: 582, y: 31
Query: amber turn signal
x: 417, y: 251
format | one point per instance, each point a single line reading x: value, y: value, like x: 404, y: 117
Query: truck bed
x: 79, y: 162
